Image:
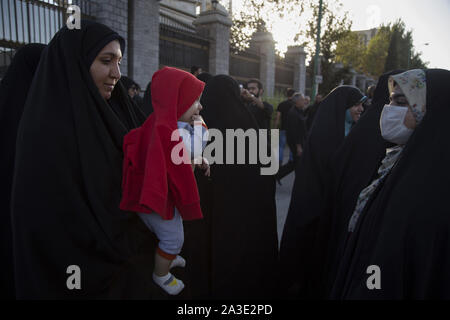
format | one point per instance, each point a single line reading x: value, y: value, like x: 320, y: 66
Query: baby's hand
x: 204, y: 166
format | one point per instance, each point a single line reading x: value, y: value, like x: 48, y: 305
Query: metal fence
x: 180, y: 46
x: 284, y: 75
x: 245, y: 65
x: 33, y: 21
x: 27, y: 21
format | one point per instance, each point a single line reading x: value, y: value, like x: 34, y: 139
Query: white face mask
x: 392, y: 124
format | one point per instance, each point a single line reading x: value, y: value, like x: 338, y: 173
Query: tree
x: 258, y: 15
x: 377, y: 51
x: 351, y: 50
x: 401, y: 54
x: 337, y: 25
x: 388, y: 50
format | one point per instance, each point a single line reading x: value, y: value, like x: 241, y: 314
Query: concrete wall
x: 114, y: 14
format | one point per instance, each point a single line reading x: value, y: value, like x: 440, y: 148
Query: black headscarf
x: 226, y: 110
x: 147, y: 106
x: 67, y: 181
x: 13, y: 93
x: 127, y: 82
x: 404, y: 228
x: 232, y: 253
x: 311, y: 191
x: 205, y: 77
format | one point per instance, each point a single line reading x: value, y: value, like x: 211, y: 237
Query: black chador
x: 402, y: 234
x: 13, y: 93
x: 355, y: 165
x: 70, y: 238
x: 311, y: 191
x: 232, y: 253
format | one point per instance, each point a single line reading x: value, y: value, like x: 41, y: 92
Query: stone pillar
x: 216, y: 25
x: 114, y: 14
x: 144, y: 40
x: 361, y: 82
x: 265, y: 45
x: 299, y: 56
x: 353, y: 75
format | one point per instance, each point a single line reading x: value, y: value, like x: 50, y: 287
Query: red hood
x: 173, y: 93
x: 151, y: 181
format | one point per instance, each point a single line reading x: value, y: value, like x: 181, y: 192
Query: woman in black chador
x: 13, y: 93
x: 311, y: 192
x: 67, y: 178
x: 397, y: 240
x: 232, y: 253
x: 355, y: 165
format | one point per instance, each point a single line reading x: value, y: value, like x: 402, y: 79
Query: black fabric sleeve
x: 268, y: 110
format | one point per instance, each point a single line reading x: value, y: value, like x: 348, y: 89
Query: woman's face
x: 398, y: 98
x: 105, y: 69
x: 132, y: 91
x: 356, y: 111
x: 194, y: 110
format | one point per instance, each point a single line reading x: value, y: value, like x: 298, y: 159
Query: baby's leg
x: 171, y: 238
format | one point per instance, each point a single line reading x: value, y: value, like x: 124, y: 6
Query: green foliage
x: 377, y: 50
x: 258, y: 15
x: 350, y: 50
x: 401, y: 54
x: 389, y: 49
x: 335, y: 26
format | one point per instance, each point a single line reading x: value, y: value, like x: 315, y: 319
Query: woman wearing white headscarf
x: 398, y: 241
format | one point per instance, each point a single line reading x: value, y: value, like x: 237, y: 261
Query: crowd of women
x: 372, y: 195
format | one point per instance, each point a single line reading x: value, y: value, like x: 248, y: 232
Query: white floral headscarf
x: 414, y: 86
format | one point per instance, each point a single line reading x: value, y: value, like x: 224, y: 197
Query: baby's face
x: 192, y: 113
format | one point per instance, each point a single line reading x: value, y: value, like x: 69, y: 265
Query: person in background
x: 296, y: 134
x: 307, y: 102
x: 261, y: 110
x: 281, y: 122
x: 147, y: 106
x: 311, y: 193
x: 137, y: 96
x: 370, y: 95
x: 13, y: 94
x: 234, y: 249
x: 355, y: 164
x: 311, y: 112
x: 353, y: 114
x: 196, y: 71
x: 133, y: 90
x: 204, y: 76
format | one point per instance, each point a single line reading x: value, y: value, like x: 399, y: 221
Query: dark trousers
x: 290, y: 166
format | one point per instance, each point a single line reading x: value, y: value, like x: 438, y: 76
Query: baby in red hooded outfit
x: 158, y: 180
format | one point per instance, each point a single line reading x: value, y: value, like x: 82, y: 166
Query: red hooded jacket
x: 151, y: 181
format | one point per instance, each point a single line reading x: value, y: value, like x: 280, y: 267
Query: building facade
x: 178, y: 33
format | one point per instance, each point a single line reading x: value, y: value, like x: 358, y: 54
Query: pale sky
x: 429, y: 20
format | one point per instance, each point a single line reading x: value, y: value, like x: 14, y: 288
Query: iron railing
x: 181, y: 48
x: 33, y: 21
x: 28, y: 21
x: 244, y: 65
